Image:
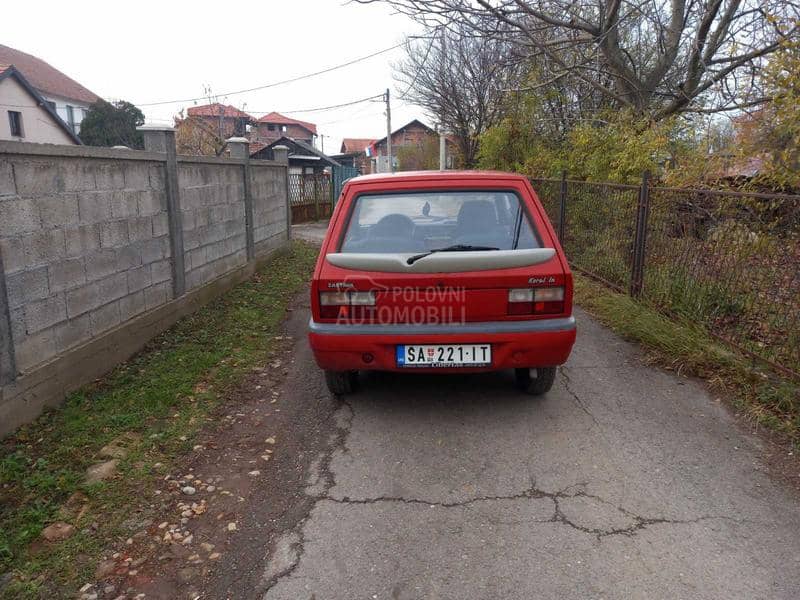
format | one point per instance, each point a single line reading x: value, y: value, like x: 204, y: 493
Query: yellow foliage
x: 618, y: 148
x: 774, y: 131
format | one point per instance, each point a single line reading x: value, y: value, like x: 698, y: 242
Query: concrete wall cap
x: 237, y: 140
x: 151, y: 127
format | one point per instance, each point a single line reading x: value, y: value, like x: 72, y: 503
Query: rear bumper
x: 539, y: 343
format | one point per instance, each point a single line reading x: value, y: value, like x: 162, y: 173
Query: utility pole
x: 442, y: 149
x: 442, y: 141
x: 389, y: 132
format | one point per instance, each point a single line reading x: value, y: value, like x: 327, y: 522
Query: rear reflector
x: 535, y: 301
x: 553, y: 294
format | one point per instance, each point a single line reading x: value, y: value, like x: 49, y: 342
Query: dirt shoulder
x: 101, y: 495
x: 257, y: 460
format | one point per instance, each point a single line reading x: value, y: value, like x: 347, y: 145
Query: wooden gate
x: 310, y: 196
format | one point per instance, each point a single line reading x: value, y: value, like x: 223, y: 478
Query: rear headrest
x: 394, y: 225
x: 476, y: 215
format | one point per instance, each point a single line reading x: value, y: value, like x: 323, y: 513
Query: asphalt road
x: 625, y: 481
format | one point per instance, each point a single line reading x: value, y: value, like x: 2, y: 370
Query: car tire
x: 340, y: 382
x: 353, y: 377
x: 538, y: 384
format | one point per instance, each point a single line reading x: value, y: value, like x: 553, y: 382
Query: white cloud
x: 151, y: 51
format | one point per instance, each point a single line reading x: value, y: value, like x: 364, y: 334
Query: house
x: 310, y: 181
x: 353, y: 153
x: 26, y: 115
x: 415, y: 146
x: 303, y: 157
x: 68, y: 98
x: 223, y: 119
x: 274, y: 125
x: 196, y: 137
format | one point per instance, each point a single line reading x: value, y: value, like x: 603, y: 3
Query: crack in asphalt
x: 327, y: 477
x: 565, y: 378
x: 639, y: 523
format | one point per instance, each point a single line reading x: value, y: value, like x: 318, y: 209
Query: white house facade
x: 25, y: 116
x: 68, y: 98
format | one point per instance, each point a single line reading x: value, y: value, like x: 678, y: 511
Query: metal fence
x: 726, y: 260
x: 341, y: 175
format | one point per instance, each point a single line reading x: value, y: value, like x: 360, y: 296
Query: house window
x: 71, y: 117
x: 271, y: 127
x: 15, y: 123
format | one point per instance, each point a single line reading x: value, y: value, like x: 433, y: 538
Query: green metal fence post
x: 640, y: 237
x: 316, y: 197
x: 562, y: 207
x: 332, y: 188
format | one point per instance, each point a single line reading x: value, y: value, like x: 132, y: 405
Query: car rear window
x: 422, y: 221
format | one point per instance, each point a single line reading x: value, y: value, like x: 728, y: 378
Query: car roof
x: 434, y: 176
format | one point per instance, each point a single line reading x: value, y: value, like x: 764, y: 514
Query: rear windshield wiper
x: 454, y: 248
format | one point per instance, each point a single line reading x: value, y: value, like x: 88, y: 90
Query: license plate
x: 444, y: 355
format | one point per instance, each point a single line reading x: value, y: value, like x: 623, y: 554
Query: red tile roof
x: 45, y: 78
x: 746, y: 167
x: 279, y: 119
x: 355, y: 145
x: 256, y: 147
x: 213, y: 110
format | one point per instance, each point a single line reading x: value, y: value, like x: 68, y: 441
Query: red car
x: 453, y: 272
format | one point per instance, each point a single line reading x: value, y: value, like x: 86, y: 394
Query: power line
x: 319, y: 109
x: 283, y: 82
x: 359, y: 114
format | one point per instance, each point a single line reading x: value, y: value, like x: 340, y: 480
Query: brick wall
x: 87, y: 249
x: 261, y: 133
x: 413, y: 135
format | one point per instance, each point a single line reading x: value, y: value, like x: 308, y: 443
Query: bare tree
x: 461, y: 80
x: 655, y: 57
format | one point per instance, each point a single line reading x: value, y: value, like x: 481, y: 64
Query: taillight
x: 536, y: 301
x: 346, y: 305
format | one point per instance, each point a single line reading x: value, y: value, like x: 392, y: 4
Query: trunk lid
x: 443, y: 297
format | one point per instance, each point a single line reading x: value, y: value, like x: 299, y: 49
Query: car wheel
x: 535, y: 381
x: 353, y: 377
x: 340, y: 382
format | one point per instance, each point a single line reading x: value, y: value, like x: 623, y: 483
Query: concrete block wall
x: 212, y: 206
x: 268, y: 189
x: 85, y: 247
x: 101, y: 249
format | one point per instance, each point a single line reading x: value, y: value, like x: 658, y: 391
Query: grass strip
x: 757, y: 392
x: 160, y: 398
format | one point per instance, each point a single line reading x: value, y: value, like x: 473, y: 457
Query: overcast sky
x: 151, y: 51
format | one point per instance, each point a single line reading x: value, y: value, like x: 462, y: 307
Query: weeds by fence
x: 727, y: 260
